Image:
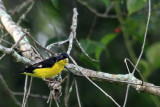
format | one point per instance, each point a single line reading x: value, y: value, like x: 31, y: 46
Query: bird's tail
x: 20, y: 71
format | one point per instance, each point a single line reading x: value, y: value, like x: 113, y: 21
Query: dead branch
x: 28, y: 52
x: 117, y: 78
x: 16, y: 32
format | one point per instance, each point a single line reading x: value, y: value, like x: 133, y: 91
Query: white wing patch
x: 40, y: 66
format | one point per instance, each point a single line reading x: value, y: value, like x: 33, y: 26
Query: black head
x: 62, y: 56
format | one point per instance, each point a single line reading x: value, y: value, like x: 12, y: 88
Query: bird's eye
x: 61, y: 57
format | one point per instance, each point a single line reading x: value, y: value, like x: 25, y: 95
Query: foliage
x: 50, y: 20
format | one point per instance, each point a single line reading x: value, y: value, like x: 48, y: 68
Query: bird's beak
x: 66, y: 60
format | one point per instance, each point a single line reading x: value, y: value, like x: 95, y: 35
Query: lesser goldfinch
x: 47, y: 68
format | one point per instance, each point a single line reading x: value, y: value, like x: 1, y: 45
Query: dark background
x: 50, y: 20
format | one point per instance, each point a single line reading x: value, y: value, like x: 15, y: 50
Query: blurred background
x: 108, y: 30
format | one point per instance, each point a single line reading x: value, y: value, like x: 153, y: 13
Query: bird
x: 47, y: 68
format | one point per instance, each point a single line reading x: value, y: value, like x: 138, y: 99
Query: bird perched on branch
x: 47, y: 68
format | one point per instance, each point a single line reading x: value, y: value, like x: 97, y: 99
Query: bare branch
x: 145, y: 36
x: 25, y: 13
x: 21, y: 6
x: 31, y: 95
x: 25, y: 91
x: 29, y: 35
x: 73, y: 30
x: 126, y: 59
x: 16, y: 32
x: 14, y: 54
x: 116, y: 78
x: 28, y: 93
x: 82, y: 73
x: 126, y: 96
x: 68, y: 92
x: 56, y: 44
x: 84, y: 51
x: 78, y: 98
x: 104, y: 15
x: 2, y: 56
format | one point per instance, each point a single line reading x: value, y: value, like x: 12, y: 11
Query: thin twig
x: 2, y: 56
x: 145, y: 36
x: 25, y: 13
x: 108, y: 9
x: 126, y: 59
x: 73, y: 30
x: 37, y: 51
x: 148, y: 19
x: 66, y: 89
x: 21, y: 7
x: 28, y: 93
x: 28, y: 34
x: 25, y: 91
x: 15, y: 45
x: 56, y: 44
x: 77, y: 92
x: 93, y: 82
x: 9, y: 43
x: 18, y: 57
x: 3, y: 36
x: 126, y: 96
x: 84, y: 51
x: 57, y: 103
x: 103, y: 15
x: 50, y: 103
x: 68, y: 93
x: 49, y: 97
x: 31, y: 95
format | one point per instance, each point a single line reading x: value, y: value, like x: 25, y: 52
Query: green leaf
x: 96, y: 48
x: 153, y: 56
x: 91, y: 46
x: 135, y: 5
x: 108, y: 38
x: 98, y: 51
x: 143, y: 66
x: 135, y: 29
x: 106, y: 2
x: 55, y: 3
x: 93, y: 49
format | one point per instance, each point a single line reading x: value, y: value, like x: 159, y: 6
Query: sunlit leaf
x: 106, y: 2
x: 98, y: 52
x: 108, y: 38
x: 135, y: 29
x: 143, y: 66
x: 135, y: 5
x: 55, y: 3
x: 94, y: 49
x: 153, y: 56
x: 90, y: 46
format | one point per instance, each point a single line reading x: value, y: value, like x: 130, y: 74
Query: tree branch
x: 117, y: 78
x: 27, y: 51
x: 14, y: 54
x: 16, y: 32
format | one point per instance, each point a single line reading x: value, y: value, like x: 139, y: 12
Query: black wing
x: 44, y: 64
